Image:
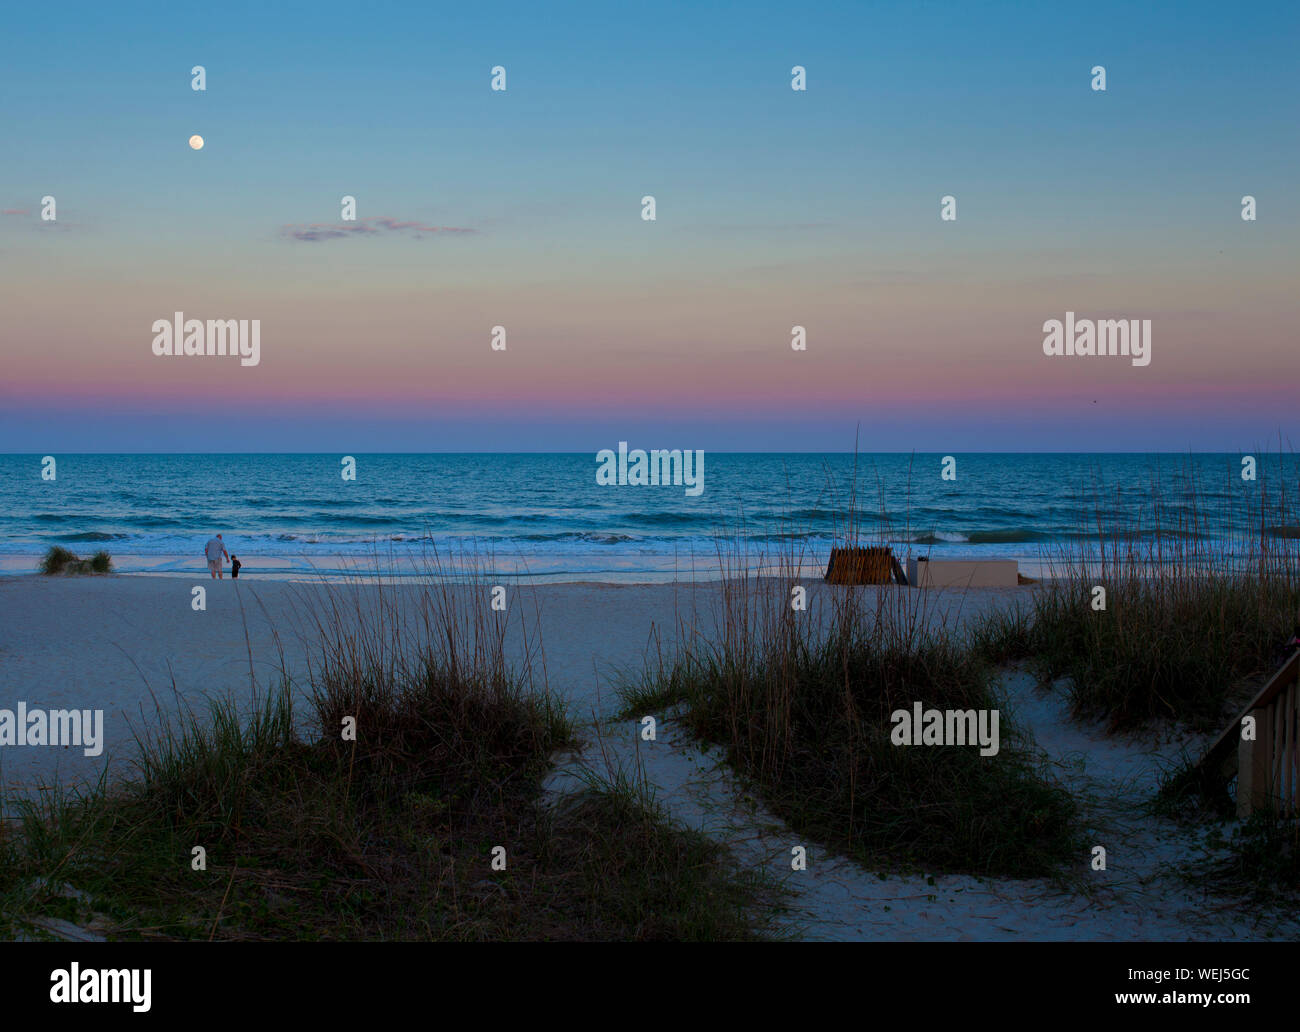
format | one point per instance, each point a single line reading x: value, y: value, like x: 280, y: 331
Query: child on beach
x: 235, y: 564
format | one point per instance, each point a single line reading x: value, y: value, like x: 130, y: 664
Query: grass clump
x: 1191, y: 791
x: 1256, y: 859
x: 59, y: 560
x: 803, y: 708
x: 1182, y: 650
x: 623, y: 869
x: 1255, y: 862
x: 1263, y: 859
x: 1199, y: 602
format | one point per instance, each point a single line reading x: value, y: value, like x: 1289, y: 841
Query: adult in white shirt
x: 214, y: 550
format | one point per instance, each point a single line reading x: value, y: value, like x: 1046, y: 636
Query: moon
x: 196, y: 142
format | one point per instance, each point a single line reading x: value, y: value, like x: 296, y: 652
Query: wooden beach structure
x: 873, y: 564
x: 877, y: 564
x: 1267, y: 767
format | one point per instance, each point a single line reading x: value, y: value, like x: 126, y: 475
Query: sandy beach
x: 126, y: 644
x: 131, y: 644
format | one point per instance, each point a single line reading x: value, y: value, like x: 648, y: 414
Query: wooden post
x: 1287, y: 789
x: 1255, y: 765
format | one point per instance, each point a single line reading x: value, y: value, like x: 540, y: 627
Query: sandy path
x: 1140, y: 896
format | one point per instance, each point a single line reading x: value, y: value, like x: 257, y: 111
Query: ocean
x: 546, y: 515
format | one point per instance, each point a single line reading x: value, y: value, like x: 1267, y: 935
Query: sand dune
x: 129, y: 644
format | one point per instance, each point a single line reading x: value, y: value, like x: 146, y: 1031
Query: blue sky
x: 774, y: 208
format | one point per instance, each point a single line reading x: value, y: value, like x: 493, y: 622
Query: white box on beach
x: 963, y: 573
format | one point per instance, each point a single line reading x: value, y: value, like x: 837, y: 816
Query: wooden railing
x: 1267, y: 766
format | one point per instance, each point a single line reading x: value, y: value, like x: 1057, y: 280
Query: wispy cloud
x: 377, y: 225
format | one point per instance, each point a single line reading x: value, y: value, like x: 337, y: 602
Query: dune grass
x: 59, y: 560
x: 1202, y: 590
x: 1202, y: 595
x: 1262, y: 860
x: 802, y: 704
x: 388, y: 834
x: 316, y: 841
x: 1256, y: 861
